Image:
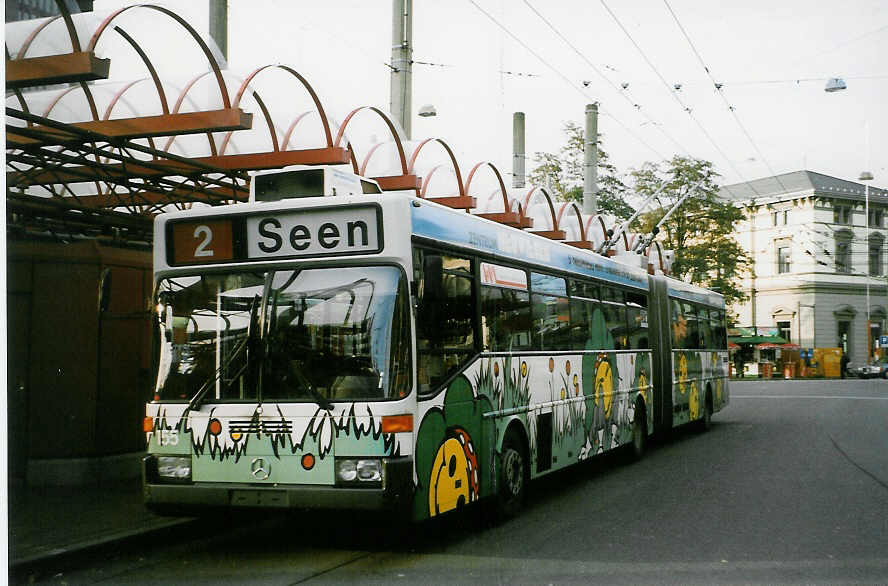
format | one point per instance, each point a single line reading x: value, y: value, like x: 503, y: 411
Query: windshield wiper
x: 322, y: 401
x: 198, y: 397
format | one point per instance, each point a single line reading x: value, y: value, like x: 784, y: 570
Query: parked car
x: 876, y: 369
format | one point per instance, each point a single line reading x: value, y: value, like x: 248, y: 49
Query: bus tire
x: 512, y: 478
x: 706, y: 421
x: 639, y: 430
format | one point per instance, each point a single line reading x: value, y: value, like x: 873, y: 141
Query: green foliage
x: 700, y: 231
x: 562, y: 174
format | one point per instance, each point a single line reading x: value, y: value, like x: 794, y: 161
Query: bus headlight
x: 357, y: 471
x: 176, y: 468
x: 369, y: 470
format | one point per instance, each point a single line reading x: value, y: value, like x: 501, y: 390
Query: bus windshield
x: 316, y: 335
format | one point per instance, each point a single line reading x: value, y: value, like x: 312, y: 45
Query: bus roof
x: 456, y: 228
x: 689, y: 292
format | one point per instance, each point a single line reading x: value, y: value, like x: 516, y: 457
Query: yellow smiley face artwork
x: 694, y: 402
x: 454, y: 479
x: 642, y: 386
x: 682, y: 373
x: 604, y: 386
x: 449, y: 486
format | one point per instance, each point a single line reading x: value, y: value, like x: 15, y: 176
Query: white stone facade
x: 812, y: 250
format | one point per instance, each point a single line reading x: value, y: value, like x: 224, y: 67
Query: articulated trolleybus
x: 328, y: 346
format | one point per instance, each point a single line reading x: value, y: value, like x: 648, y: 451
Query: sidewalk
x: 46, y: 522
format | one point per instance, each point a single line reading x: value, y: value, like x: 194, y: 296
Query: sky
x: 478, y: 61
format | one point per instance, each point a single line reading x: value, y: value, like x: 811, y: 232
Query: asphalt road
x: 789, y: 486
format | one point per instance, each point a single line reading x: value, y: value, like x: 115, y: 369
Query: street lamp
x: 867, y: 176
x: 835, y: 84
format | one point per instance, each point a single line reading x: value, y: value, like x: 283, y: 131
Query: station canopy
x: 114, y: 117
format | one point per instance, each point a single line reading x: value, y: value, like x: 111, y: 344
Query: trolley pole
x: 590, y: 167
x: 518, y: 149
x: 402, y: 63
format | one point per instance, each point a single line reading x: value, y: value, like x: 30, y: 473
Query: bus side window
x: 551, y: 321
x: 550, y: 311
x: 445, y: 316
x: 717, y: 325
x: 636, y: 313
x: 704, y: 330
x: 679, y: 326
x: 586, y: 319
x: 505, y: 319
x: 615, y: 316
x: 692, y: 340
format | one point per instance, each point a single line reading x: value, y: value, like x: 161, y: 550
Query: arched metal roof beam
x: 214, y: 65
x: 567, y: 207
x: 460, y: 201
x: 508, y: 217
x: 388, y: 183
x: 556, y: 233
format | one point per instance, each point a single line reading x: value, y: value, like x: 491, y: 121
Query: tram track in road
x: 810, y: 393
x: 851, y: 460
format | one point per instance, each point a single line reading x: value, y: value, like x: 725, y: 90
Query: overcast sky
x: 772, y: 57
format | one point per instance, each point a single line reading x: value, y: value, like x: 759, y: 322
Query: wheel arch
x: 519, y: 428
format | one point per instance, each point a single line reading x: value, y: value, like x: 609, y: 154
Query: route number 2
x: 203, y: 241
x: 203, y: 247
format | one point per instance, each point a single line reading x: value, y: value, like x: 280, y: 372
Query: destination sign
x: 318, y: 232
x: 315, y: 232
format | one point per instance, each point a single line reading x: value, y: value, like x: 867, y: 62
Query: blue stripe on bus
x: 697, y: 295
x: 510, y: 243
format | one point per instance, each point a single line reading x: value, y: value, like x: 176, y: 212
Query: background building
x: 819, y: 263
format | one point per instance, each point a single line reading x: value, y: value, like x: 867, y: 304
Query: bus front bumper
x: 392, y: 495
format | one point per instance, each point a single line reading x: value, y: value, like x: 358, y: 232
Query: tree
x: 562, y: 174
x: 699, y: 232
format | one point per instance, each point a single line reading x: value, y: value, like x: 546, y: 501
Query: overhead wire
x: 562, y: 76
x: 614, y: 86
x: 718, y: 89
x: 674, y: 95
x: 840, y: 45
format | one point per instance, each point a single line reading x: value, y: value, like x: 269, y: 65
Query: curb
x: 38, y: 555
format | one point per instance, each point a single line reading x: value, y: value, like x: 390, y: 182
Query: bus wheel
x: 513, y: 478
x: 706, y: 422
x: 639, y: 431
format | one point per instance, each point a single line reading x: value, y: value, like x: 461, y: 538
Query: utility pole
x: 590, y: 167
x: 219, y: 25
x: 518, y: 149
x: 402, y: 63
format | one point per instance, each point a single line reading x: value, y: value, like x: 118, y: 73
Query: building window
x: 843, y: 251
x: 784, y: 330
x: 780, y: 218
x: 875, y: 256
x: 875, y: 334
x: 842, y: 215
x: 783, y: 259
x: 875, y: 218
x: 844, y: 328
